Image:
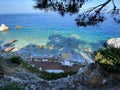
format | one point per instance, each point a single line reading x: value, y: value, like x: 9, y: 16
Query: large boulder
x: 3, y: 27
x: 114, y: 42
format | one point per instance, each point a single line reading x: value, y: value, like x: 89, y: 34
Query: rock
x: 61, y: 48
x: 18, y: 27
x: 92, y: 74
x: 42, y: 47
x: 9, y: 49
x: 10, y: 42
x: 87, y: 50
x: 3, y: 27
x: 95, y: 78
x: 114, y: 42
x: 1, y: 72
x: 51, y: 47
x: 65, y: 55
x: 75, y: 36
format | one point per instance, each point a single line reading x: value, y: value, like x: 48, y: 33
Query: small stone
x: 18, y: 27
x: 65, y: 55
x: 87, y: 50
x: 40, y: 68
x: 42, y: 47
x: 9, y: 49
x: 104, y: 81
x: 10, y: 42
x: 51, y: 47
x: 61, y: 48
x: 33, y: 65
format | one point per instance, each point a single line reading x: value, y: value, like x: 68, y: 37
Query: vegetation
x: 92, y: 16
x: 30, y: 67
x: 12, y: 86
x: 42, y: 74
x: 109, y: 59
x: 54, y: 76
x: 46, y: 75
x: 15, y: 60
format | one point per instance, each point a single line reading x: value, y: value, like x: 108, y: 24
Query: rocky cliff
x: 87, y: 78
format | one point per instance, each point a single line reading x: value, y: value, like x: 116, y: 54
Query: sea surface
x: 38, y: 28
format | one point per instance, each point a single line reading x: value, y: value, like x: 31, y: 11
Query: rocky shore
x: 87, y: 78
x: 61, y: 50
x: 3, y: 27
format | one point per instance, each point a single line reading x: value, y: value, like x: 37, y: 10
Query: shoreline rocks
x: 9, y: 49
x: 3, y: 27
x: 114, y: 42
x: 10, y: 42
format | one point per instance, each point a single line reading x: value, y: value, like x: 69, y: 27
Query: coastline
x: 68, y: 57
x: 48, y: 37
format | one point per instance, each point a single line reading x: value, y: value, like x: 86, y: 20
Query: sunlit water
x: 38, y: 27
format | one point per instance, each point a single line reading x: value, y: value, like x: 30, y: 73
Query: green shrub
x: 15, y: 59
x: 54, y: 76
x: 42, y: 74
x: 30, y: 67
x: 46, y: 75
x: 109, y: 59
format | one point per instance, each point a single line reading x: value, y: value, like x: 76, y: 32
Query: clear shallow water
x: 37, y: 28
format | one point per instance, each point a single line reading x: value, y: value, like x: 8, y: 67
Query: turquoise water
x: 37, y: 28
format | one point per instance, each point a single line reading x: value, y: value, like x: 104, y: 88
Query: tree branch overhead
x: 92, y: 16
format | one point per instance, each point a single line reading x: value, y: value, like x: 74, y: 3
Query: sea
x: 37, y: 28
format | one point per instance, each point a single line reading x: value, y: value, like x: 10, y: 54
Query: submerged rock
x: 75, y: 36
x: 10, y: 42
x: 9, y: 49
x: 114, y: 42
x: 62, y: 43
x: 88, y: 50
x: 95, y: 78
x: 65, y: 55
x: 42, y: 46
x: 3, y: 27
x: 18, y: 27
x: 51, y: 47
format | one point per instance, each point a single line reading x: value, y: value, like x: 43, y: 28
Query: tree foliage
x: 15, y: 60
x: 54, y: 76
x: 109, y: 59
x: 91, y: 16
